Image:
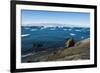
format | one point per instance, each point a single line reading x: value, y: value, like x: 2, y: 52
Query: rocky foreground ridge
x: 72, y: 51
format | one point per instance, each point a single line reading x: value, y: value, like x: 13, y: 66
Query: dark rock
x: 37, y: 47
x: 69, y: 43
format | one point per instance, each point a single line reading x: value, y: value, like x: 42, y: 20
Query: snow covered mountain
x: 46, y: 25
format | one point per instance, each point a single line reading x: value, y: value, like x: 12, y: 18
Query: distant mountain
x: 45, y: 25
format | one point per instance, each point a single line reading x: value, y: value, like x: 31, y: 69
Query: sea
x: 39, y: 38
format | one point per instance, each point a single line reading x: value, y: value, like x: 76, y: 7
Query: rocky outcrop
x: 79, y: 52
x: 37, y: 47
x: 69, y: 43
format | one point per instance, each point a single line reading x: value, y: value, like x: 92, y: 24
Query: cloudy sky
x: 71, y: 18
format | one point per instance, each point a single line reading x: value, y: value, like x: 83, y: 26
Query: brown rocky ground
x: 80, y: 51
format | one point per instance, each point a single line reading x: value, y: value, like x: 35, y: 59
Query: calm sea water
x: 49, y: 38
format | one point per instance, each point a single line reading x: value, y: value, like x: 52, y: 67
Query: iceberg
x: 24, y: 35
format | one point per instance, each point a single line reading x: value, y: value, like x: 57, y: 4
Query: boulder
x: 69, y: 43
x: 37, y: 47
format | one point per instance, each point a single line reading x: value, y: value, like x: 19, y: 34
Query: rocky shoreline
x: 76, y: 51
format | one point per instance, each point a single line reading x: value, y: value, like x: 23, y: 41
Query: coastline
x: 80, y: 51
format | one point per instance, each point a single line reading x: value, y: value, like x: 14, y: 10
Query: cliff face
x: 79, y: 51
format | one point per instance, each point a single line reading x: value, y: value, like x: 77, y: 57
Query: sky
x: 72, y: 18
